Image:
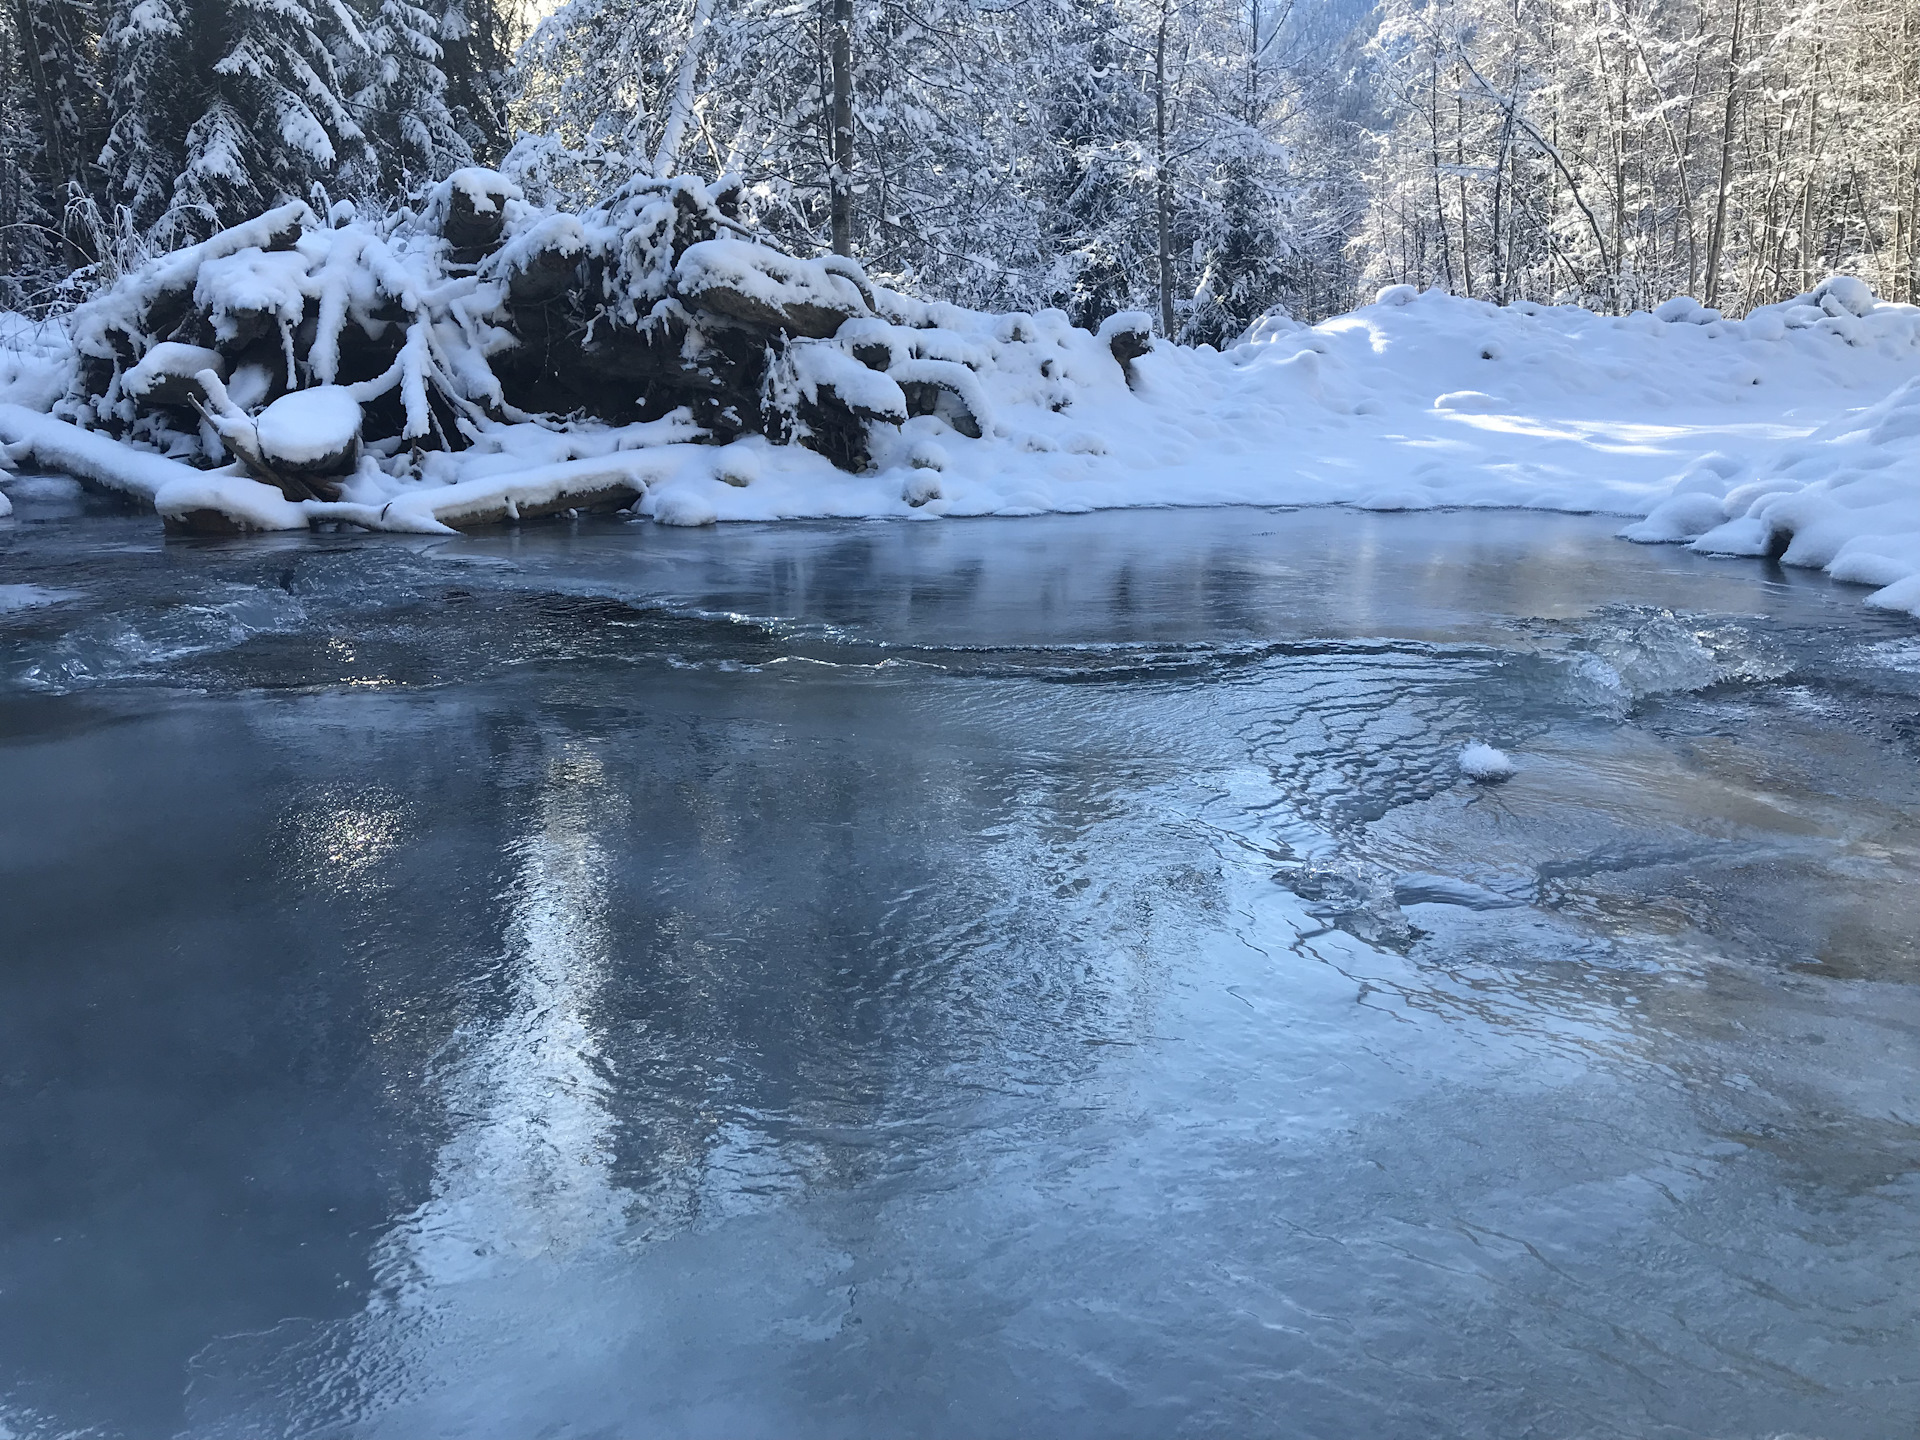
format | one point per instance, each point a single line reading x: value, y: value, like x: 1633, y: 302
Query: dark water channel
x: 1037, y: 977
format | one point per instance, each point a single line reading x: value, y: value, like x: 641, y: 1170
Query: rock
x: 311, y: 432
x: 931, y: 397
x: 201, y: 522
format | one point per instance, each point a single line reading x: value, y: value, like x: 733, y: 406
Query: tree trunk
x: 1439, y: 202
x: 1460, y: 178
x: 52, y: 138
x: 666, y: 159
x: 1717, y: 236
x: 1162, y: 180
x: 841, y: 177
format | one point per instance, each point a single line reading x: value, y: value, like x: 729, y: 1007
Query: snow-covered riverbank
x: 1795, y: 431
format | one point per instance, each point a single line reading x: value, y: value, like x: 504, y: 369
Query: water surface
x: 989, y: 978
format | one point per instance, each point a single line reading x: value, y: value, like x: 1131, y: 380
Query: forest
x: 1204, y: 161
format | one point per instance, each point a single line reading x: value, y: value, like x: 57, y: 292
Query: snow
x: 169, y: 361
x: 35, y: 359
x: 764, y: 276
x: 308, y: 426
x: 1484, y: 764
x: 868, y: 393
x: 172, y: 488
x: 481, y: 185
x: 683, y: 505
x: 1794, y: 432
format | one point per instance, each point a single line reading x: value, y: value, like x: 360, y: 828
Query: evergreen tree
x: 51, y: 123
x: 473, y: 60
x: 410, y: 135
x: 222, y: 107
x: 1099, y: 220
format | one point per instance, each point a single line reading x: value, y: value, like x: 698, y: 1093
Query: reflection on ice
x: 523, y: 1182
x: 1005, y: 988
x: 525, y: 1174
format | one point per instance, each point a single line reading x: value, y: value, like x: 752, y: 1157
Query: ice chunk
x: 1485, y: 765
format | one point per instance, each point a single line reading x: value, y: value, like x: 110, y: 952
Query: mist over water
x: 1001, y: 978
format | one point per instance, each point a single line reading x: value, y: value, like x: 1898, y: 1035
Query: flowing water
x: 1035, y: 977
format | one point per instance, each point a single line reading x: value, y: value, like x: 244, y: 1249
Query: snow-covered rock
x: 1485, y: 765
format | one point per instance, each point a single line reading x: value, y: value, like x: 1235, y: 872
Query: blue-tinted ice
x: 1042, y: 977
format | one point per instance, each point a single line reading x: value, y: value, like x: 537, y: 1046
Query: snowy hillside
x: 1794, y: 432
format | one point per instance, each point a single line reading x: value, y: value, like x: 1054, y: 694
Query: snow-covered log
x: 186, y: 499
x: 311, y: 433
x: 332, y: 362
x: 762, y: 288
x: 166, y: 375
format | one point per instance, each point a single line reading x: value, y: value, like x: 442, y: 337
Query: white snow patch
x: 1470, y: 402
x: 309, y: 425
x: 1486, y: 765
x: 683, y: 505
x: 170, y: 360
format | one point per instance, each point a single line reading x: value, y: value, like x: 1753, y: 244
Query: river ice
x: 1020, y: 977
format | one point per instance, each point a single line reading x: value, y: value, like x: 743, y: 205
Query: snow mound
x: 309, y: 428
x: 1845, y: 499
x: 683, y: 507
x: 1485, y: 765
x: 1470, y: 402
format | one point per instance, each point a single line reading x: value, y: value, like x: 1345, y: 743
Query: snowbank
x: 1794, y: 432
x: 1846, y: 499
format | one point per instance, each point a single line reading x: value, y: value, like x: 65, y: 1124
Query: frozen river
x: 1035, y: 977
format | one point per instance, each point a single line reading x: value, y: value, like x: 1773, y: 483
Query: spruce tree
x: 222, y: 107
x: 411, y: 136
